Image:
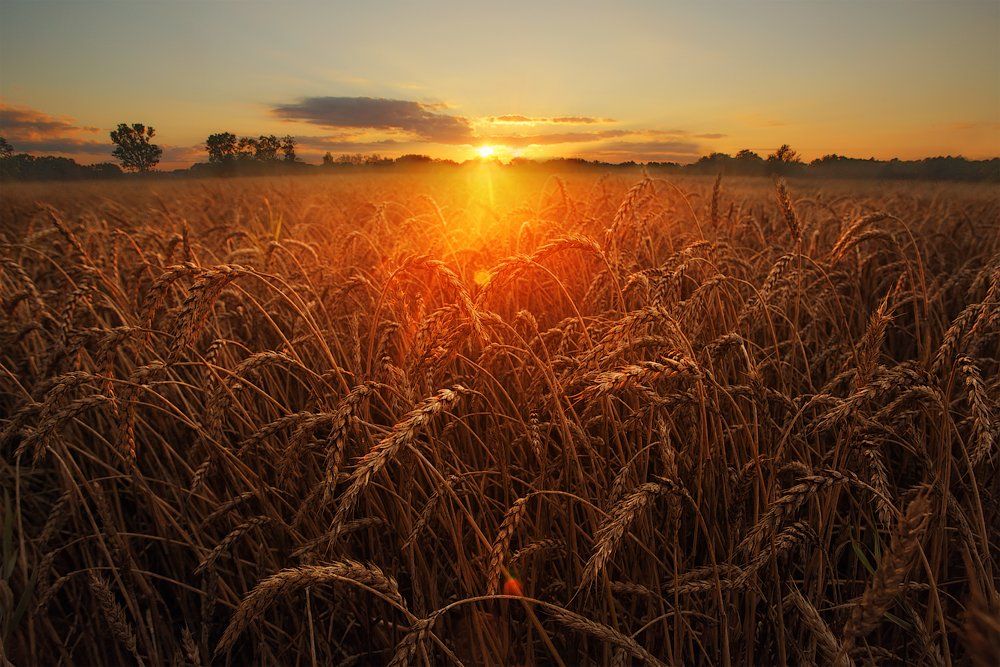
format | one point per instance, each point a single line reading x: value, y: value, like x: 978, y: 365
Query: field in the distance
x: 484, y: 417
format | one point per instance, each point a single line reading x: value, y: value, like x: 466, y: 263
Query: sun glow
x: 486, y: 152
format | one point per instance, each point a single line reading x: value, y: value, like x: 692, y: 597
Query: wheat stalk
x: 892, y: 570
x: 292, y: 580
x: 611, y: 532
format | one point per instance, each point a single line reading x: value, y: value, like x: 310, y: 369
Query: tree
x: 350, y: 160
x: 221, y: 147
x: 784, y: 161
x: 784, y: 155
x: 6, y: 150
x: 748, y: 155
x: 266, y: 148
x: 328, y: 159
x: 288, y: 147
x: 413, y: 158
x: 134, y: 149
x: 246, y: 148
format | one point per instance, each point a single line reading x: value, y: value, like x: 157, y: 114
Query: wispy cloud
x: 33, y: 131
x: 24, y: 123
x: 520, y: 140
x: 517, y: 119
x: 345, y: 143
x: 422, y: 120
x: 668, y: 139
x: 965, y: 126
x: 674, y: 151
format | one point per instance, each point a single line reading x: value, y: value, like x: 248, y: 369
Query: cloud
x: 663, y: 138
x: 673, y: 151
x: 510, y: 118
x: 711, y: 135
x: 24, y: 123
x: 519, y: 140
x: 174, y: 155
x: 32, y: 131
x: 517, y: 119
x: 974, y: 125
x: 345, y: 143
x: 422, y: 120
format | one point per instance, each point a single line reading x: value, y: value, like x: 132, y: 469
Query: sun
x: 486, y: 151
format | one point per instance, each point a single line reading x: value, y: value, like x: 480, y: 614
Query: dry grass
x: 494, y: 418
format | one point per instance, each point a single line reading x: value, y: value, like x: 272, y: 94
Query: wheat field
x: 485, y: 417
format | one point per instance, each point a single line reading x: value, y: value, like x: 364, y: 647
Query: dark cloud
x: 26, y: 123
x: 378, y: 113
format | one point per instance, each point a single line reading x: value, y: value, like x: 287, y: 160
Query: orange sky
x: 638, y: 80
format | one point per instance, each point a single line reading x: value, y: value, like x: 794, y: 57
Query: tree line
x: 232, y: 155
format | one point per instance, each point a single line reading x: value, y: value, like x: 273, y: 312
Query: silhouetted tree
x: 105, y: 170
x: 48, y: 167
x: 784, y: 160
x: 221, y: 147
x: 134, y: 149
x: 266, y: 148
x: 350, y: 160
x: 246, y: 148
x: 413, y: 158
x: 6, y: 150
x: 328, y: 159
x: 713, y: 163
x: 748, y: 155
x: 288, y: 147
x: 784, y: 155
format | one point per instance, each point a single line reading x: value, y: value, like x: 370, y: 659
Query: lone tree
x: 221, y: 147
x: 134, y: 149
x: 6, y: 150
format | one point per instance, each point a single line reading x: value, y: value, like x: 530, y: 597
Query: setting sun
x: 486, y: 151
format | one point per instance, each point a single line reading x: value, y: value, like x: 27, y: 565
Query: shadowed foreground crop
x: 499, y: 419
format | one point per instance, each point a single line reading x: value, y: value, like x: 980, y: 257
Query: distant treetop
x: 134, y: 147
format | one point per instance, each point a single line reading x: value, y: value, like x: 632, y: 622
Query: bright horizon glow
x: 486, y: 152
x: 643, y: 80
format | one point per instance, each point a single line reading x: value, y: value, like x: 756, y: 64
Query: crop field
x: 488, y: 417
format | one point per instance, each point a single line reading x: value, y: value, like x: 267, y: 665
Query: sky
x: 611, y: 80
